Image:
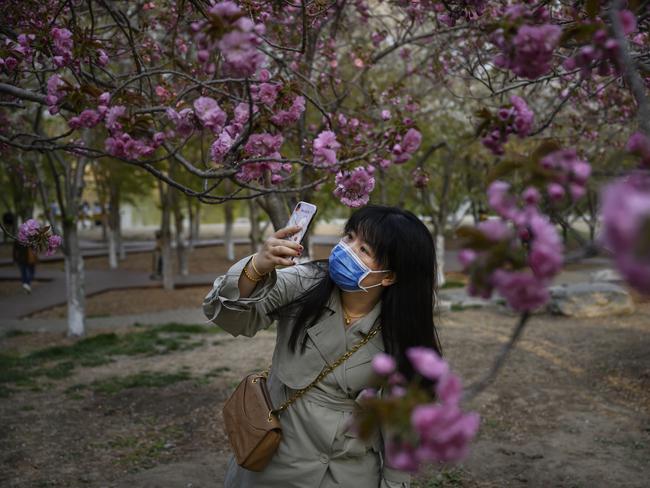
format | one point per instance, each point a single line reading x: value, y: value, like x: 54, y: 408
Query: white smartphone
x: 302, y: 215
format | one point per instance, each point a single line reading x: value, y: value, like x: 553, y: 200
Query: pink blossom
x: 411, y: 141
x: 88, y: 118
x: 225, y: 9
x: 529, y: 53
x: 555, y: 191
x: 639, y: 144
x: 522, y: 290
x: 159, y: 138
x: 353, y: 188
x: 494, y: 229
x: 183, y: 120
x: 259, y: 146
x: 53, y: 243
x: 445, y: 432
x: 523, y: 117
x: 449, y: 389
x: 427, y: 362
x: 239, y: 48
x: 55, y: 93
x: 466, y: 257
x: 207, y: 110
x: 285, y: 117
x: 408, y: 145
x: 112, y: 117
x: 242, y: 112
x: 122, y: 145
x: 267, y: 93
x: 28, y: 230
x: 383, y: 364
x: 500, y: 199
x: 63, y: 44
x: 102, y: 57
x: 325, y: 147
x: 385, y: 115
x: 625, y: 209
x: 628, y: 20
x: 401, y: 456
x: 221, y: 146
x: 531, y: 196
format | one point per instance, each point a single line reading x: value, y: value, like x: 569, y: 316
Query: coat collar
x: 364, y: 324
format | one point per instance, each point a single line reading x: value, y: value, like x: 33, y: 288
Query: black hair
x: 402, y: 244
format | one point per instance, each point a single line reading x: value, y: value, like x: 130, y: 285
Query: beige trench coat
x: 317, y: 449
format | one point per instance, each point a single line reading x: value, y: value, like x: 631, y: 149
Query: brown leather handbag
x: 253, y: 425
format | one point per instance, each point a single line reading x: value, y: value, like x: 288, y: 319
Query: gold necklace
x: 347, y: 317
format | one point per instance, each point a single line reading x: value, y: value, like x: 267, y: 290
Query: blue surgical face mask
x: 347, y: 270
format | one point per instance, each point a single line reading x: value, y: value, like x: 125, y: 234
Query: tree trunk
x: 119, y: 238
x: 166, y: 237
x: 276, y: 209
x: 75, y: 280
x: 440, y: 259
x: 181, y: 248
x: 112, y: 249
x: 228, y: 231
x: 253, y: 215
x: 194, y: 213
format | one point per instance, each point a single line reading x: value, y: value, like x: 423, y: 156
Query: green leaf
x: 504, y: 168
x: 592, y: 7
x: 544, y: 149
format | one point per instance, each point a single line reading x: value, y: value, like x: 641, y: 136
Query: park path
x: 51, y: 291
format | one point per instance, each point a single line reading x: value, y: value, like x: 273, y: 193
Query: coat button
x: 324, y: 459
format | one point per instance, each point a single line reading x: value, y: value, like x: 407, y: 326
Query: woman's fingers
x: 273, y: 242
x: 286, y: 232
x: 284, y: 251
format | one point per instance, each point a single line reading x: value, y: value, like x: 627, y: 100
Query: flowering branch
x: 475, y: 389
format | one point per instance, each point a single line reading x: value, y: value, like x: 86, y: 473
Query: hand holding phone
x: 302, y: 216
x: 284, y: 245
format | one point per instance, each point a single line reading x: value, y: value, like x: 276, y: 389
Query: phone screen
x: 302, y: 215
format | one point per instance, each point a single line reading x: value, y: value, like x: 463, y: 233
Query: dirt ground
x: 571, y: 409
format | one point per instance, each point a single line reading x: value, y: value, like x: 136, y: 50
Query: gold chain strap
x: 326, y: 370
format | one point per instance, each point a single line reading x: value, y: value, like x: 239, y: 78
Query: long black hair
x: 402, y: 244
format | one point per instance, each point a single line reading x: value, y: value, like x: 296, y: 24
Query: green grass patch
x: 58, y: 362
x: 144, y: 379
x: 446, y: 478
x: 16, y: 333
x: 452, y: 284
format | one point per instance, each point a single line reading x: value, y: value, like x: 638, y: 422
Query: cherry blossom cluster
x: 353, y: 187
x: 516, y: 254
x: 625, y: 210
x: 451, y: 12
x: 526, y: 41
x: 39, y: 237
x: 566, y: 171
x: 228, y: 30
x: 516, y: 118
x: 15, y: 52
x: 62, y: 46
x: 639, y: 145
x: 438, y: 430
x: 260, y: 146
x: 603, y: 52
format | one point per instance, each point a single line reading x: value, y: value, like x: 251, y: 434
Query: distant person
x: 8, y: 221
x: 25, y: 257
x: 157, y: 258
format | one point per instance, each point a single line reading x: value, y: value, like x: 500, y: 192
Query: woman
x: 381, y: 273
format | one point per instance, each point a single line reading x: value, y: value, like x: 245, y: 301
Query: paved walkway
x: 51, y: 289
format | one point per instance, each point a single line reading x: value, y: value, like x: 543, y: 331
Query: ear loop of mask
x: 369, y: 271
